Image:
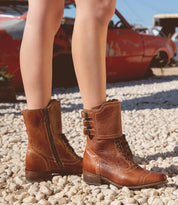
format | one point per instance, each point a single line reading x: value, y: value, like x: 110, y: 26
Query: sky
x: 141, y: 12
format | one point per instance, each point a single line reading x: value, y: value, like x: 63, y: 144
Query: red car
x: 129, y: 54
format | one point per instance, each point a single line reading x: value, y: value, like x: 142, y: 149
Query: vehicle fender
x: 154, y: 44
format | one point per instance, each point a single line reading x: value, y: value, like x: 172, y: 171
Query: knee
x: 46, y: 22
x: 105, y: 10
x: 99, y: 10
x: 55, y: 21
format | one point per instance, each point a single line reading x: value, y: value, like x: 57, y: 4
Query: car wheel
x: 160, y: 60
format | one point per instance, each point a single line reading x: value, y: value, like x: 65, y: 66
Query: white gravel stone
x: 45, y: 190
x: 12, y: 187
x: 18, y: 181
x: 39, y: 196
x: 151, y: 199
x: 96, y: 191
x: 176, y: 193
x: 116, y: 202
x: 157, y: 202
x: 172, y: 202
x: 22, y: 195
x: 33, y: 190
x: 43, y: 202
x: 16, y: 203
x: 55, y: 179
x: 100, y: 196
x: 129, y: 201
x: 29, y: 199
x: 114, y: 188
x: 153, y: 192
x: 142, y: 200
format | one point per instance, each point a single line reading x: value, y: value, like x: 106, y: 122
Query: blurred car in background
x: 175, y: 40
x: 129, y: 54
x: 156, y: 31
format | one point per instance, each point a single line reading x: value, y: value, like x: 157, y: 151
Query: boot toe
x: 154, y: 178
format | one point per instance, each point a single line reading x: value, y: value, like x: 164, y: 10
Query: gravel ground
x: 150, y: 119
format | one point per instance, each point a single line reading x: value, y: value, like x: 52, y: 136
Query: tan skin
x: 88, y: 49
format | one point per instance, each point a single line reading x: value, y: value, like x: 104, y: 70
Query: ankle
x: 93, y: 105
x: 34, y: 105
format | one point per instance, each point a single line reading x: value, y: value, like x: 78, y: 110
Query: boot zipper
x: 53, y: 147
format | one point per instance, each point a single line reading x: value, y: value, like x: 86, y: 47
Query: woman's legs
x: 43, y: 21
x: 107, y: 152
x: 89, y: 47
x: 43, y: 123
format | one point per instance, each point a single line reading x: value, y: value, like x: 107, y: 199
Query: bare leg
x: 43, y: 21
x: 89, y: 47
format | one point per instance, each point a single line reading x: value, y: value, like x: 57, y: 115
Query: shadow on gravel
x: 170, y: 171
x: 163, y: 155
x: 7, y: 106
x: 165, y: 100
x: 147, y: 102
x: 18, y: 113
x: 155, y: 79
x: 172, y: 185
x: 69, y: 107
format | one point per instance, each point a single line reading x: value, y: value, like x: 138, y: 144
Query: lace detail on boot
x: 123, y: 147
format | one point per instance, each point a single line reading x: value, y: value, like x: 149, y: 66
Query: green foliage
x: 3, y: 74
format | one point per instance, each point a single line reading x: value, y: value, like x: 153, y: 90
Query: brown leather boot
x: 49, y: 152
x: 107, y: 156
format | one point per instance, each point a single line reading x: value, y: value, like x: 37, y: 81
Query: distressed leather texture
x: 107, y: 154
x: 40, y: 156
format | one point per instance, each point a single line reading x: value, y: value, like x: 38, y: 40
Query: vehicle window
x: 116, y: 22
x: 155, y: 32
x: 13, y: 9
x: 142, y: 30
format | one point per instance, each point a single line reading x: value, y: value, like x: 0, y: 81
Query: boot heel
x: 37, y: 176
x: 91, y: 178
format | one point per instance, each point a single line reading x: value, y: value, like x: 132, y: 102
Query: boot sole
x: 93, y: 179
x: 34, y: 176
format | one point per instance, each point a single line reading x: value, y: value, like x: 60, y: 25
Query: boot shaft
x: 48, y: 149
x: 48, y: 117
x: 43, y: 129
x: 103, y: 122
x: 102, y: 125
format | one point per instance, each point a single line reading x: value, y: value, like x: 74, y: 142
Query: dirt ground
x: 165, y: 71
